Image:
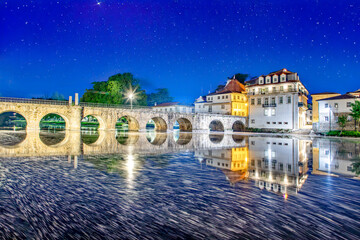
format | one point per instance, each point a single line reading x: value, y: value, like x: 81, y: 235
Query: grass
x: 343, y: 134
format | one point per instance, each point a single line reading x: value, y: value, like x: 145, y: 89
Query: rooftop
x: 344, y: 96
x: 324, y: 93
x: 232, y: 86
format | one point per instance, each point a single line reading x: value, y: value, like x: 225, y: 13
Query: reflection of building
x: 335, y: 157
x: 331, y: 108
x: 230, y: 100
x: 278, y: 164
x: 173, y: 107
x: 277, y: 100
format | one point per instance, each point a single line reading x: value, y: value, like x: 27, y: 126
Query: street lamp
x: 131, y: 97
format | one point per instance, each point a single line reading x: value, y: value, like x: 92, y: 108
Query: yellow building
x: 315, y: 104
x: 231, y: 100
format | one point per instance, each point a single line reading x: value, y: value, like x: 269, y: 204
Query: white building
x: 173, y: 107
x: 277, y: 100
x: 309, y: 116
x: 331, y: 108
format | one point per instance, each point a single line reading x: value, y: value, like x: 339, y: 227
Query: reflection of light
x: 130, y: 164
x: 285, y: 196
x: 256, y: 174
x: 285, y: 179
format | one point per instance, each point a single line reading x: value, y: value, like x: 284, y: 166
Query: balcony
x: 269, y: 105
x: 273, y: 92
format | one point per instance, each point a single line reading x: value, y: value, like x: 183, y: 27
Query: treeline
x: 117, y: 88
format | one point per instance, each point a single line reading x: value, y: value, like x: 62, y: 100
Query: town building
x: 309, y: 116
x: 173, y: 107
x: 231, y: 100
x: 277, y: 100
x: 315, y: 105
x: 331, y: 108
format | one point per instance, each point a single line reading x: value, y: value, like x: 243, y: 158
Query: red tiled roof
x: 232, y: 86
x: 324, y: 93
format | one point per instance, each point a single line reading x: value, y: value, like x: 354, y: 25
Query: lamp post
x: 131, y: 97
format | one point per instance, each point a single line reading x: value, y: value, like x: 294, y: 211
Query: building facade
x: 331, y: 108
x: 277, y: 100
x: 231, y: 100
x: 315, y: 104
x: 173, y: 107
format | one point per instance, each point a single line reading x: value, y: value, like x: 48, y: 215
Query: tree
x: 241, y: 77
x: 355, y: 112
x: 342, y: 122
x: 114, y: 90
x: 57, y: 96
x: 161, y: 95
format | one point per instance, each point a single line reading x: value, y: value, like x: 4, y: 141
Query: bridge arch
x: 94, y: 121
x: 14, y: 118
x: 156, y: 138
x: 66, y: 120
x: 216, y: 138
x: 185, y: 124
x: 160, y: 124
x: 125, y: 138
x: 132, y: 122
x: 216, y: 126
x: 238, y: 126
x: 182, y: 138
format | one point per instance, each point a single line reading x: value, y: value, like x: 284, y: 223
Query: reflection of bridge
x: 34, y: 110
x: 110, y: 142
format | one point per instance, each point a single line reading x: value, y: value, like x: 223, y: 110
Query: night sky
x: 187, y: 46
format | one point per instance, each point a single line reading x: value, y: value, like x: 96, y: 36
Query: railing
x: 269, y: 105
x: 272, y: 92
x: 104, y: 105
x: 34, y: 101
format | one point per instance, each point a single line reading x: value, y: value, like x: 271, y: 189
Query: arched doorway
x: 52, y: 122
x: 216, y: 126
x: 12, y: 121
x: 157, y: 124
x: 183, y: 125
x: 238, y: 126
x: 127, y: 123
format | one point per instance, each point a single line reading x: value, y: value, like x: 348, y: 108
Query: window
x: 267, y: 79
x: 274, y: 89
x: 266, y: 101
x: 326, y: 118
x: 218, y: 97
x: 226, y: 96
x: 223, y: 97
x: 252, y: 120
x: 348, y: 104
x: 282, y: 79
x: 281, y: 166
x: 210, y: 108
x: 349, y: 168
x: 275, y: 79
x: 222, y: 106
x: 274, y: 122
x: 279, y: 122
x: 336, y: 105
x: 259, y: 101
x: 252, y: 142
x: 288, y: 99
x: 252, y: 101
x: 286, y: 123
x: 273, y: 112
x: 273, y: 100
x: 261, y: 81
x: 267, y: 122
x: 289, y: 168
x: 281, y: 100
x: 281, y: 88
x: 326, y: 105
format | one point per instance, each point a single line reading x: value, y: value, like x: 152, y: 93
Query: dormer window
x: 283, y: 78
x: 275, y: 79
x: 268, y: 79
x: 261, y: 80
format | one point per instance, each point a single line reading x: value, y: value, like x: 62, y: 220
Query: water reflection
x: 155, y: 181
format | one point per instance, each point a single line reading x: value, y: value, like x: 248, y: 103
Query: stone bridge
x: 107, y: 115
x: 111, y: 142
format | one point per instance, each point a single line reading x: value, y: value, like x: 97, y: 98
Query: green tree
x: 355, y: 112
x: 241, y: 77
x: 342, y: 122
x: 161, y: 95
x: 114, y: 90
